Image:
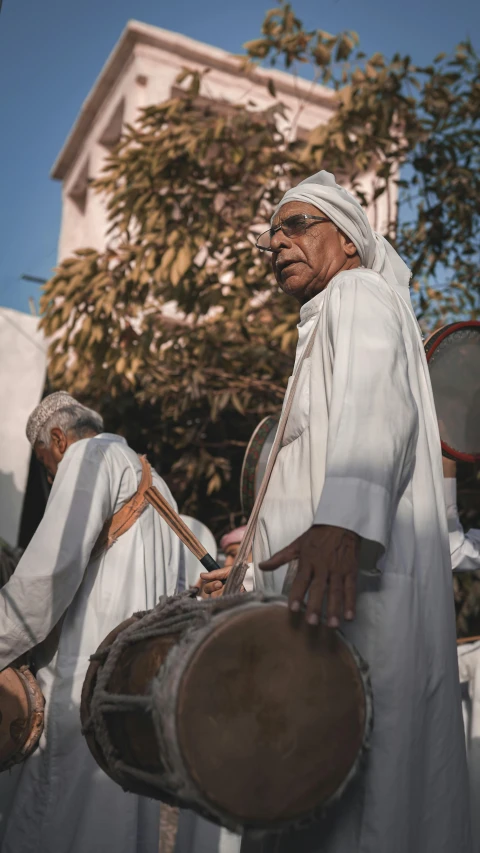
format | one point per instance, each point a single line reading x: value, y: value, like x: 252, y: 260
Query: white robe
x: 464, y: 547
x: 64, y: 802
x: 362, y: 451
x: 465, y: 554
x: 469, y: 669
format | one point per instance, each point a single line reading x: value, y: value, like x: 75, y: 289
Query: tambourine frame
x: 248, y: 473
x: 431, y: 345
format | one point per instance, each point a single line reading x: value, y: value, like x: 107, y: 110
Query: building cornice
x: 137, y: 33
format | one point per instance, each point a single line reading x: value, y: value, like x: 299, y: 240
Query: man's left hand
x: 327, y: 567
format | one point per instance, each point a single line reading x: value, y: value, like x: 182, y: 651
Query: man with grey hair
x: 100, y: 554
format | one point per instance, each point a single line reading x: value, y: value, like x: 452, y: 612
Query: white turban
x: 348, y: 215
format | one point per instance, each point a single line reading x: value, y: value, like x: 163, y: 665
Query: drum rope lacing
x: 174, y: 615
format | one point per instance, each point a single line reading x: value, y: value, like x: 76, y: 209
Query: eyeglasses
x: 292, y: 226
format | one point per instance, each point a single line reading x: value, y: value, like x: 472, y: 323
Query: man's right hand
x: 210, y: 583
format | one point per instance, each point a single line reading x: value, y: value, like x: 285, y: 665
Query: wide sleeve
x: 52, y: 567
x: 464, y: 547
x: 372, y: 418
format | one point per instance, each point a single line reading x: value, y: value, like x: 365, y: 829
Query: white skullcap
x: 349, y: 216
x: 51, y: 404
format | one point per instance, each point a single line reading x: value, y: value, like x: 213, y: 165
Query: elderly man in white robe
x: 68, y: 592
x: 356, y: 495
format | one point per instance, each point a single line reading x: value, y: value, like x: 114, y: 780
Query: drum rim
x: 36, y: 716
x: 247, y: 498
x: 13, y: 758
x: 175, y: 679
x: 37, y: 700
x: 431, y: 345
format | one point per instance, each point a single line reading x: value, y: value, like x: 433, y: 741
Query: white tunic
x: 64, y: 802
x: 362, y: 451
x: 464, y: 547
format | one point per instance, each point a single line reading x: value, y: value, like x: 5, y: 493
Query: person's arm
x: 464, y: 547
x: 373, y: 418
x: 372, y: 432
x: 52, y: 567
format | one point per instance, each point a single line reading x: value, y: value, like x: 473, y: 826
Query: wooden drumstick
x: 161, y: 505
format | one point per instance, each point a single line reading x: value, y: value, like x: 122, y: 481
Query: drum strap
x: 127, y: 515
x: 239, y: 568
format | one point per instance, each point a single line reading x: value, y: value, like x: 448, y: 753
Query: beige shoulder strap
x: 240, y: 566
x: 127, y: 515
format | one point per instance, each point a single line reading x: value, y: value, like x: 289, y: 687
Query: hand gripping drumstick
x: 161, y: 505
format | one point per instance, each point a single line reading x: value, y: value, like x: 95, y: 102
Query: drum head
x: 453, y: 356
x: 255, y: 461
x: 272, y: 716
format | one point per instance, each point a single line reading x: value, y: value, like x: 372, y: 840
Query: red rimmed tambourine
x: 453, y: 356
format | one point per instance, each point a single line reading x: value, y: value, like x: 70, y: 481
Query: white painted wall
x: 141, y: 71
x: 22, y: 376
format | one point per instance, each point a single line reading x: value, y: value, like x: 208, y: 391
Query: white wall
x: 147, y: 78
x: 22, y: 378
x: 146, y: 70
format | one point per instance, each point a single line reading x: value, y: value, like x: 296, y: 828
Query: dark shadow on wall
x: 35, y: 501
x: 10, y: 508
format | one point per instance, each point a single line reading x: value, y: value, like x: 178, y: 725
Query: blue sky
x: 51, y: 52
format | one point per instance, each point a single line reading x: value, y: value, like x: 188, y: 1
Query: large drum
x: 229, y: 707
x: 453, y: 356
x: 21, y: 715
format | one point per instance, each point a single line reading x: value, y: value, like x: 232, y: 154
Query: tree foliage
x: 180, y: 315
x: 177, y: 331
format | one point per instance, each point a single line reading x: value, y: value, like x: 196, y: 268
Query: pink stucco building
x: 140, y: 71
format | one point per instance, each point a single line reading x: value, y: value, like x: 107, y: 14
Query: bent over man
x: 356, y: 495
x: 73, y: 585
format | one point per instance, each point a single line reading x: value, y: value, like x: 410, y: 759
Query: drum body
x: 229, y: 708
x: 255, y: 461
x: 21, y: 715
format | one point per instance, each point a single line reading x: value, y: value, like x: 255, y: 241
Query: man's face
x: 231, y: 552
x: 304, y: 264
x: 51, y: 456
